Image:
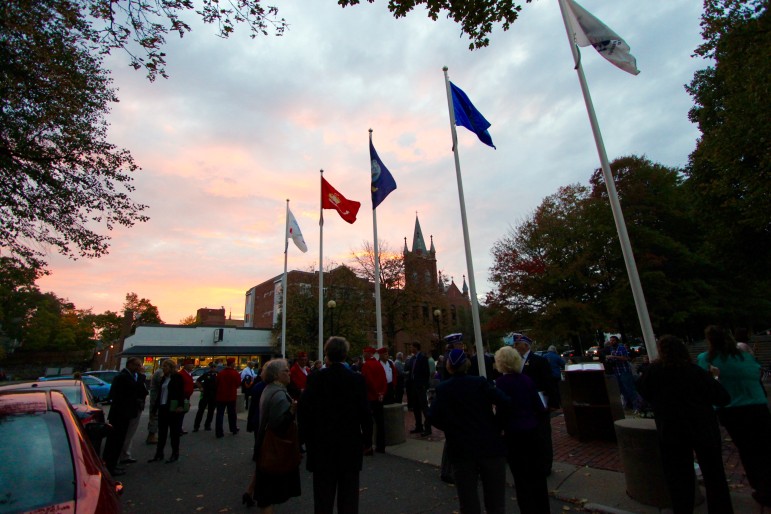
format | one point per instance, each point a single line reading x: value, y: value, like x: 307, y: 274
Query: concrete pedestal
x: 643, y: 470
x: 393, y: 416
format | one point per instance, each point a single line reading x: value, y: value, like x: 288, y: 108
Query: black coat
x: 682, y: 398
x: 333, y: 414
x: 176, y: 391
x: 539, y: 371
x: 420, y: 371
x: 123, y: 396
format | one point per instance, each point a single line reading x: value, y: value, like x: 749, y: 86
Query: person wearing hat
x: 463, y: 409
x: 228, y: 382
x: 189, y: 387
x: 377, y: 388
x: 539, y: 371
x: 247, y: 381
x: 207, y: 383
x: 299, y: 375
x: 391, y: 374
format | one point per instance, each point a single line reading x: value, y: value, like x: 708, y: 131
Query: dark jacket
x: 176, y: 391
x: 333, y: 414
x: 463, y: 410
x: 419, y: 371
x: 123, y: 396
x: 539, y: 371
x: 683, y: 399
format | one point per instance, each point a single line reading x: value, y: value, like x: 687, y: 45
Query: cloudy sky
x: 241, y: 125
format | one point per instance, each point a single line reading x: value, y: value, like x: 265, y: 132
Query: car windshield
x: 89, y: 380
x: 44, y: 475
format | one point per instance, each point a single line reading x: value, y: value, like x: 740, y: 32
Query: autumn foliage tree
x: 561, y: 272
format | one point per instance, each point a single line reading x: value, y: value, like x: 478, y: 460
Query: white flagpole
x: 321, y: 274
x: 466, y: 239
x: 378, y: 319
x: 615, y: 205
x: 283, y: 284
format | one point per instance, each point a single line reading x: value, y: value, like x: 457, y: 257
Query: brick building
x: 435, y: 306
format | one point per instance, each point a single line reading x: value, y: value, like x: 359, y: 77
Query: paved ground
x: 212, y: 474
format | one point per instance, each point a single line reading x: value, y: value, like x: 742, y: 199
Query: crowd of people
x: 333, y: 413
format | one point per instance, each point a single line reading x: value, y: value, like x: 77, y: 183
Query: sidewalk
x: 585, y: 473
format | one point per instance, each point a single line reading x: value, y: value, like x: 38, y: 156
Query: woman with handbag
x: 170, y: 405
x: 277, y: 450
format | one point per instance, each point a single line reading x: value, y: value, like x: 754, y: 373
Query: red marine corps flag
x: 331, y: 199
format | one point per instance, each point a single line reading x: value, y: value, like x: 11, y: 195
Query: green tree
x: 476, y: 17
x: 59, y: 177
x: 561, y: 271
x: 17, y: 294
x: 107, y: 326
x: 145, y: 313
x: 729, y: 172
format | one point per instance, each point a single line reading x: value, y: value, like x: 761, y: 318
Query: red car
x: 79, y: 396
x: 47, y: 463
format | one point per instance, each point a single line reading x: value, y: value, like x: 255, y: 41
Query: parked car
x: 79, y: 396
x: 638, y: 349
x: 51, y: 465
x: 593, y: 352
x: 106, y: 375
x: 197, y: 372
x: 98, y: 387
x: 568, y: 355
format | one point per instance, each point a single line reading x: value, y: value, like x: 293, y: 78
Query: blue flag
x: 466, y: 115
x: 382, y: 181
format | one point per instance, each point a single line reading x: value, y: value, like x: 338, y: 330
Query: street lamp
x: 331, y: 304
x: 437, y: 317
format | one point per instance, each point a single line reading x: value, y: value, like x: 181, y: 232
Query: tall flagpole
x: 466, y: 239
x: 321, y: 272
x: 283, y: 284
x: 378, y: 319
x: 615, y: 205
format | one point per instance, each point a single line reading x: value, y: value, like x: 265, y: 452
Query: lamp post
x: 437, y: 317
x: 331, y: 304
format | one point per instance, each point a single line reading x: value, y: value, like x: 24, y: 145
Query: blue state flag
x: 382, y: 180
x: 466, y: 115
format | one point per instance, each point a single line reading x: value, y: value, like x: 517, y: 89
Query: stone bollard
x: 393, y: 416
x: 240, y: 403
x: 638, y: 447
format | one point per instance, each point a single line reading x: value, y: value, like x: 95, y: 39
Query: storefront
x: 153, y: 343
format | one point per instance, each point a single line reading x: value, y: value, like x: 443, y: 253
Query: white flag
x: 591, y: 31
x: 293, y: 231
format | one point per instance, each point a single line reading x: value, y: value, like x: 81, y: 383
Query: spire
x: 465, y: 287
x: 433, y: 248
x: 418, y: 244
x: 405, y: 246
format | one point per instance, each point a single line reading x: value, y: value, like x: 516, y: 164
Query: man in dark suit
x: 124, y: 407
x: 333, y: 416
x: 539, y: 370
x: 419, y: 376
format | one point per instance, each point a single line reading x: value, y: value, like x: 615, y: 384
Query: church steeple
x: 433, y: 248
x: 465, y: 287
x: 418, y: 243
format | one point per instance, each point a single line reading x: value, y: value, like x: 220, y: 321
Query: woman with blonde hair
x: 277, y: 413
x: 521, y: 419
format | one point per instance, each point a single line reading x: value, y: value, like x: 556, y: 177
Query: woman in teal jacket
x: 747, y: 418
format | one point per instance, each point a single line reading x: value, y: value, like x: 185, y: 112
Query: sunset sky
x: 241, y: 125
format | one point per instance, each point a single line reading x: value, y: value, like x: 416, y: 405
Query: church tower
x: 420, y: 263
